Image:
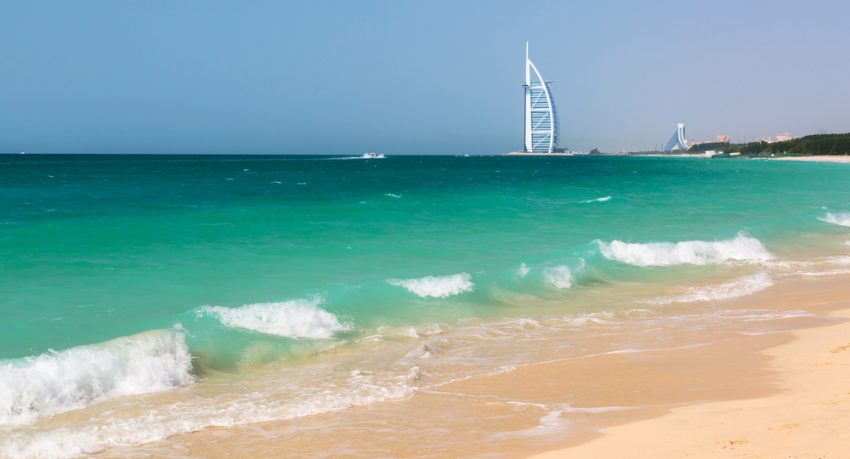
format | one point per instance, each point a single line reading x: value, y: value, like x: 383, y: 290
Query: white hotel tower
x: 541, y: 118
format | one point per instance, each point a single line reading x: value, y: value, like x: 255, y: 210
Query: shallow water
x: 160, y: 295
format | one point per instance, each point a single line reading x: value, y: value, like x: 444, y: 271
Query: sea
x: 148, y: 296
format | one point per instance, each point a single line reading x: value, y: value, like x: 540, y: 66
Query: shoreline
x: 578, y: 406
x: 815, y: 158
x: 840, y: 159
x: 808, y: 417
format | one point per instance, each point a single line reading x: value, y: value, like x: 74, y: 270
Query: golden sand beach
x: 816, y: 158
x: 806, y: 415
x: 725, y: 391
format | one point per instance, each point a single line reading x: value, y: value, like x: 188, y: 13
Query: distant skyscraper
x: 678, y: 142
x: 541, y: 119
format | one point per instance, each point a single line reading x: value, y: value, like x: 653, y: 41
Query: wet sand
x: 720, y: 392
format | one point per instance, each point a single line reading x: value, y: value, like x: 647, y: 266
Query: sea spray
x: 301, y: 318
x: 839, y: 218
x: 522, y: 270
x: 436, y: 286
x: 558, y: 276
x: 602, y: 199
x: 56, y: 382
x: 741, y: 248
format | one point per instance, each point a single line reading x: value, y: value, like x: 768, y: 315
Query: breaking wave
x: 742, y: 247
x: 522, y: 270
x: 289, y: 319
x: 602, y: 199
x: 559, y: 276
x: 735, y: 289
x: 437, y: 286
x: 840, y: 218
x: 56, y: 382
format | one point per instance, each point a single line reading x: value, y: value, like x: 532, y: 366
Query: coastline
x: 743, y: 389
x: 816, y: 158
x: 809, y: 417
x: 841, y: 159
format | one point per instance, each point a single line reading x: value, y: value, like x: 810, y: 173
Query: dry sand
x: 821, y: 158
x: 809, y: 418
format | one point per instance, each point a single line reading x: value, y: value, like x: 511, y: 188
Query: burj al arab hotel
x: 541, y: 118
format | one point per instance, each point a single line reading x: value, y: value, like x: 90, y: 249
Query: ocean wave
x: 301, y: 318
x: 56, y: 382
x: 602, y: 199
x: 727, y: 291
x: 361, y: 388
x: 522, y: 270
x: 559, y: 276
x: 742, y: 247
x: 840, y: 218
x: 437, y: 286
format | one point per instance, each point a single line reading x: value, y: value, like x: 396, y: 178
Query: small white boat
x: 372, y: 155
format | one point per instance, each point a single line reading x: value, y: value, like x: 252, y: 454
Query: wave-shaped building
x: 678, y: 142
x: 541, y: 118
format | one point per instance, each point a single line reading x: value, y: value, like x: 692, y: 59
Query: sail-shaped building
x: 541, y: 118
x: 678, y: 142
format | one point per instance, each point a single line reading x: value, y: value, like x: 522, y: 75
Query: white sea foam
x: 839, y: 260
x: 559, y: 276
x: 831, y: 272
x: 363, y: 156
x: 742, y: 247
x: 523, y: 270
x: 361, y: 388
x: 301, y: 318
x: 597, y: 318
x: 602, y: 199
x: 392, y: 195
x: 55, y: 382
x: 840, y: 218
x: 727, y: 291
x: 422, y: 351
x: 437, y: 286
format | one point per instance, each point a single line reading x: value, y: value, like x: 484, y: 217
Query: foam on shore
x: 727, y: 291
x: 360, y: 388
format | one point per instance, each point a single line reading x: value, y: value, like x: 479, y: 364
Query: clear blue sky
x: 344, y: 77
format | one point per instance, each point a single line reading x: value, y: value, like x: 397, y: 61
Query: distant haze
x: 412, y: 77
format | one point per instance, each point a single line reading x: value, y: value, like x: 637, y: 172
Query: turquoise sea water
x: 254, y: 259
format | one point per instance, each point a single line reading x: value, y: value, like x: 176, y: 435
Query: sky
x: 412, y: 77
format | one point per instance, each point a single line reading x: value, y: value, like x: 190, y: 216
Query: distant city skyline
x: 412, y: 78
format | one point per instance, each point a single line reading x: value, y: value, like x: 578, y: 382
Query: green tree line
x: 819, y: 144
